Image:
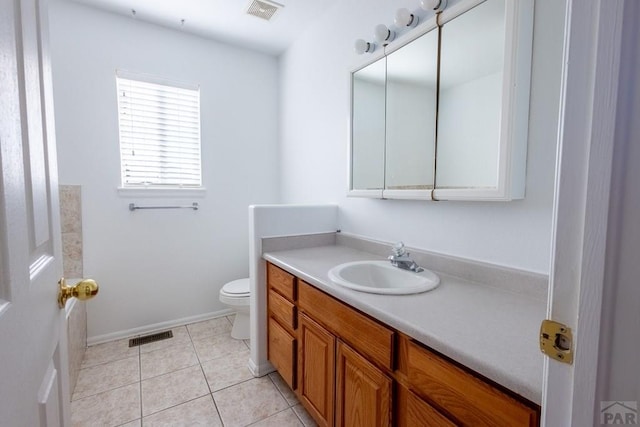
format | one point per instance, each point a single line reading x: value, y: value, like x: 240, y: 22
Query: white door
x: 581, y: 208
x: 33, y: 359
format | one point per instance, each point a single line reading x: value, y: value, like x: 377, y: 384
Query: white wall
x: 315, y: 111
x: 159, y: 266
x: 275, y: 221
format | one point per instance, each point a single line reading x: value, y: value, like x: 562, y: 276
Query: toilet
x: 236, y: 295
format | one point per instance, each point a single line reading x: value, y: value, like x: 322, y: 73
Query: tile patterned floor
x: 197, y: 378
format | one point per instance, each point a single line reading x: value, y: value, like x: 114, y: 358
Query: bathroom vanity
x: 437, y: 358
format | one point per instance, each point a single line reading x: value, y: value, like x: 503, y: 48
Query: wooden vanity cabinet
x: 350, y: 370
x: 339, y: 350
x: 282, y: 323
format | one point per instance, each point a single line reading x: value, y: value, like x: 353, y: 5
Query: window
x: 159, y: 133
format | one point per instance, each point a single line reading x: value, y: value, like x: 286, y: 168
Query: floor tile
x: 247, y: 343
x: 167, y: 360
x: 135, y: 423
x: 198, y: 412
x: 168, y: 390
x: 108, y: 352
x: 111, y: 408
x: 248, y: 402
x: 304, y: 416
x: 107, y: 376
x: 217, y: 346
x: 286, y: 418
x: 209, y: 328
x: 284, y: 389
x: 180, y: 336
x: 227, y: 371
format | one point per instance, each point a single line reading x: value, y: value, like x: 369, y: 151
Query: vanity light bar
x: 404, y: 19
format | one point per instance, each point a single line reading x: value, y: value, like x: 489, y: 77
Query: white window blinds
x: 159, y: 133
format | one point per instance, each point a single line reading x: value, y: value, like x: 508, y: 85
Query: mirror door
x: 470, y: 104
x: 411, y: 118
x: 368, y: 87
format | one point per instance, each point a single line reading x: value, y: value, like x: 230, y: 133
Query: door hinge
x: 556, y: 341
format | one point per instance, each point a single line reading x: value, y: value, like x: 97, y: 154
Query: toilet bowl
x: 236, y: 295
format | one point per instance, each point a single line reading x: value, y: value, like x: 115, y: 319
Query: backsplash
x: 511, y: 279
x: 71, y: 224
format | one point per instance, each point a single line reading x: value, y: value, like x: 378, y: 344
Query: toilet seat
x: 237, y: 288
x: 236, y: 293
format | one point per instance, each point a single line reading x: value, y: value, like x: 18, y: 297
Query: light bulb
x: 362, y: 46
x: 404, y: 18
x: 383, y: 34
x: 437, y: 5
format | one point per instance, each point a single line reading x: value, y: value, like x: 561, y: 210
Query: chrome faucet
x: 400, y: 259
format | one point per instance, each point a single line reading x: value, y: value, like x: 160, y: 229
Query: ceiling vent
x: 264, y: 9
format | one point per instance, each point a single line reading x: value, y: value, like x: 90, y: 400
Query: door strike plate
x: 556, y: 341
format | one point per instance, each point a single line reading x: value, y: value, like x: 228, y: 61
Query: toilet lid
x: 237, y: 287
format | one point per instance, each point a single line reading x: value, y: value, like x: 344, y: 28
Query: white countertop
x: 490, y: 330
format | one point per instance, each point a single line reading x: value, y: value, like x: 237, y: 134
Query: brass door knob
x: 83, y: 290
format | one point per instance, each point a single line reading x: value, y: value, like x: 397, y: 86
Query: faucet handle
x: 398, y: 249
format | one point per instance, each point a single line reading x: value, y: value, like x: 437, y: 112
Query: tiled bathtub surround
x: 198, y: 377
x: 76, y: 338
x: 71, y: 225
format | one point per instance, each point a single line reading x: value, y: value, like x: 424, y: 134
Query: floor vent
x: 264, y: 9
x: 134, y: 342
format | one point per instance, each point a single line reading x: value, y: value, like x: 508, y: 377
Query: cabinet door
x: 282, y: 352
x: 316, y: 362
x: 414, y: 412
x: 363, y: 393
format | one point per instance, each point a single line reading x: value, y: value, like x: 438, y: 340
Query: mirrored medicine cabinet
x: 441, y: 113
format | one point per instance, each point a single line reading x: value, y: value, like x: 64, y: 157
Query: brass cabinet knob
x: 83, y: 290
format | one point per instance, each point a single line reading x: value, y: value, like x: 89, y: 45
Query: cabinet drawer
x: 282, y: 310
x: 365, y: 335
x: 283, y: 282
x: 469, y: 399
x: 282, y: 352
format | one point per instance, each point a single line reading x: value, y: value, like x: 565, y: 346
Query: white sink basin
x: 380, y: 277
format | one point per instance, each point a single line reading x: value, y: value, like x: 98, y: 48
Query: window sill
x: 162, y: 192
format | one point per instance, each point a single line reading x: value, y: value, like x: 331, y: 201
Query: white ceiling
x: 224, y: 20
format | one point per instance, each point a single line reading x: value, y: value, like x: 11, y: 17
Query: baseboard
x: 262, y: 370
x: 148, y: 329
